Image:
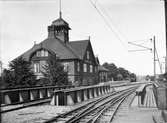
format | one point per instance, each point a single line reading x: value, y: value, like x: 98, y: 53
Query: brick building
x: 76, y: 56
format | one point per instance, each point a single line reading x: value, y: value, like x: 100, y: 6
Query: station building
x: 103, y: 73
x: 77, y: 56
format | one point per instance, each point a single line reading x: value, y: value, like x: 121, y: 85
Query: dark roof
x: 97, y: 60
x: 79, y: 47
x: 70, y: 50
x: 60, y: 22
x: 101, y: 68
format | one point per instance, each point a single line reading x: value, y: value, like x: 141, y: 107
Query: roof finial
x: 60, y: 14
x: 34, y: 42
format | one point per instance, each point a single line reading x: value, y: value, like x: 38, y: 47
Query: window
x: 36, y: 67
x: 85, y: 67
x: 46, y: 53
x: 42, y: 53
x: 66, y: 66
x: 87, y: 55
x: 95, y: 69
x: 78, y: 66
x: 91, y: 69
x: 38, y: 53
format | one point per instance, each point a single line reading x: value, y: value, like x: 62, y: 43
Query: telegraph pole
x: 1, y: 66
x: 154, y: 50
x: 151, y: 49
x: 165, y: 6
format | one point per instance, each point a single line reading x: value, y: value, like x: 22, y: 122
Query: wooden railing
x: 79, y: 94
x: 16, y: 96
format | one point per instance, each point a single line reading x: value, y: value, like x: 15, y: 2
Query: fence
x: 16, y: 96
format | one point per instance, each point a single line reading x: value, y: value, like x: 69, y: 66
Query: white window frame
x: 66, y: 66
x: 85, y: 67
x: 78, y: 67
x: 36, y: 67
x: 91, y: 68
x: 42, y: 52
x: 46, y: 53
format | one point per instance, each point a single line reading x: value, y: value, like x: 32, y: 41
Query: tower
x: 59, y: 29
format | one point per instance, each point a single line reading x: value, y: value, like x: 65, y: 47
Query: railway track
x: 24, y: 105
x: 101, y: 110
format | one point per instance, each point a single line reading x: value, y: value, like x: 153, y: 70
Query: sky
x: 24, y: 22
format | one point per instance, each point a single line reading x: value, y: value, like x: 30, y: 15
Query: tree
x: 54, y: 71
x: 19, y: 74
x: 112, y: 70
x: 7, y: 79
x: 119, y: 77
x: 123, y: 72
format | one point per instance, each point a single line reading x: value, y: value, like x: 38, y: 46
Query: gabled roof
x: 70, y: 50
x: 79, y: 47
x: 53, y: 45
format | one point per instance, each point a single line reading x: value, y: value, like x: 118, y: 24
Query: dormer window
x: 42, y: 53
x: 38, y: 53
x: 46, y: 53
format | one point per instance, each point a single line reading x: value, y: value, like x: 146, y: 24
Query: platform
x: 136, y: 115
x: 135, y: 112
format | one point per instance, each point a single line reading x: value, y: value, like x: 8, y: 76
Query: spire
x: 60, y: 14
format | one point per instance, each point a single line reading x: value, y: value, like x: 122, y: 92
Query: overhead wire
x: 111, y: 20
x: 158, y: 60
x: 107, y: 23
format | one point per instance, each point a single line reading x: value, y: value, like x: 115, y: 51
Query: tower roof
x: 60, y: 22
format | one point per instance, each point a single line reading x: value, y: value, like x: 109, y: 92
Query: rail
x: 91, y: 111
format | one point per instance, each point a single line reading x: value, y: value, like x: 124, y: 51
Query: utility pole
x: 165, y: 6
x: 154, y: 50
x: 0, y: 68
x: 147, y: 48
